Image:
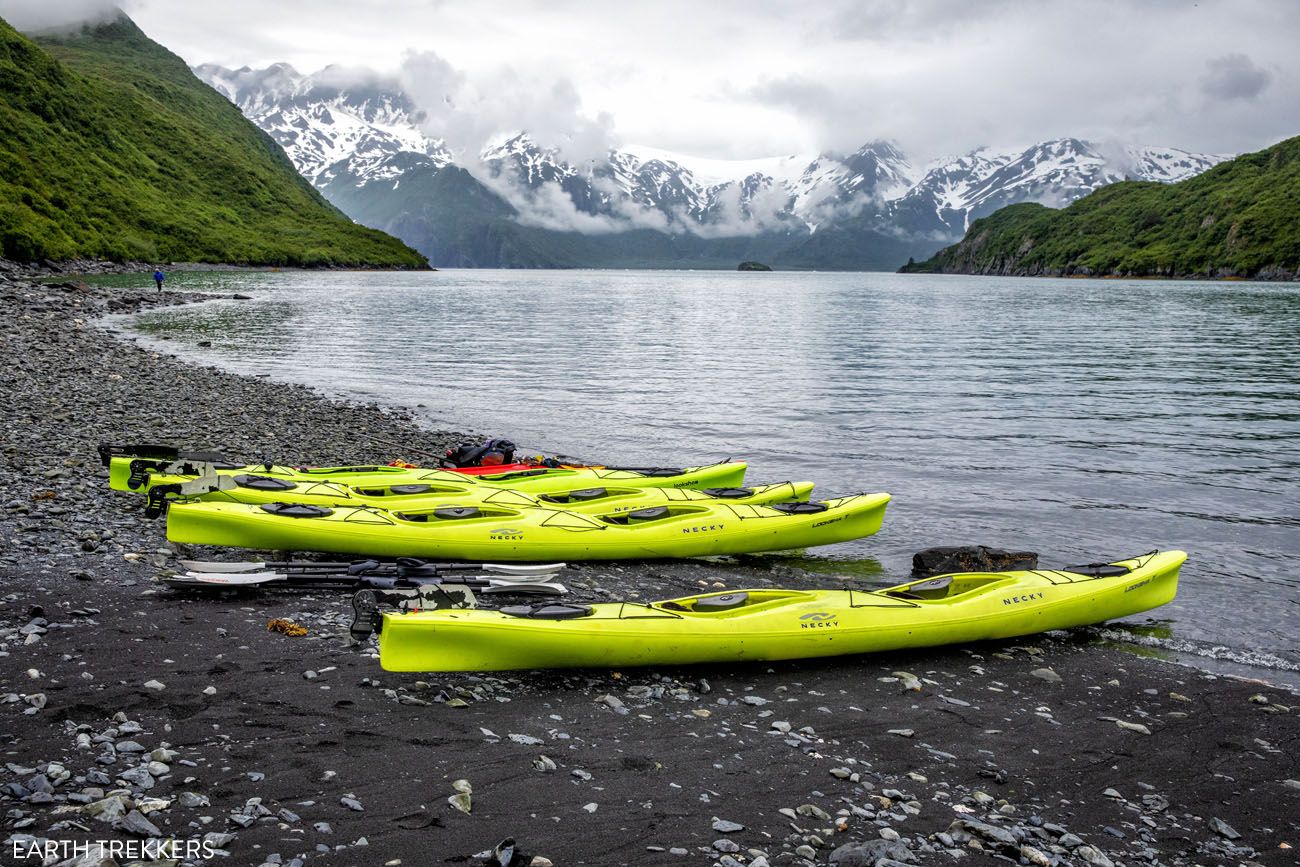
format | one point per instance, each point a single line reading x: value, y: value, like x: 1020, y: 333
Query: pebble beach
x: 134, y: 714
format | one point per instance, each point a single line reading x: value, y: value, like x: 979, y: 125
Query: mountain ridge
x: 1239, y: 219
x: 101, y: 132
x: 360, y: 142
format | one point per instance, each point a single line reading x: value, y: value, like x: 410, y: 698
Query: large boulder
x: 969, y: 558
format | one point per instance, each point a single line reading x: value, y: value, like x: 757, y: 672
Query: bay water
x: 1083, y: 419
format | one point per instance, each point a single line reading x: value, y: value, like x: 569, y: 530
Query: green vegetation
x: 110, y: 148
x: 1239, y: 219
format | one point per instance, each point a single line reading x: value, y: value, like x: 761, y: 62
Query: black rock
x: 753, y: 266
x: 969, y: 558
x: 868, y: 853
x: 507, y: 854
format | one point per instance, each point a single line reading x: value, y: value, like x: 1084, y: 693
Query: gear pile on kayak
x: 482, y: 504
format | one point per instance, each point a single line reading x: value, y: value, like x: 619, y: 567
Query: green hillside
x: 110, y: 148
x: 1239, y: 219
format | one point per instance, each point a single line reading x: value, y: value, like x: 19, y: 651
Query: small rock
x: 1093, y: 856
x: 155, y: 685
x: 1223, y: 829
x: 1046, y: 674
x: 526, y: 740
x: 1034, y: 856
x: 813, y: 811
x: 461, y: 801
x: 134, y: 822
x: 218, y: 839
x: 903, y: 733
x: 722, y: 826
x: 352, y: 804
x: 1133, y: 727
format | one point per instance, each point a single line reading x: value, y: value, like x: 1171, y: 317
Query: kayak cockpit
x: 947, y: 587
x: 732, y: 601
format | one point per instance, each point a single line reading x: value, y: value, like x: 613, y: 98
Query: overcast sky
x: 751, y: 78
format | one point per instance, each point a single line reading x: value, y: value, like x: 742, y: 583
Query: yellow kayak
x: 257, y: 489
x: 746, y: 625
x: 493, y: 532
x: 127, y: 473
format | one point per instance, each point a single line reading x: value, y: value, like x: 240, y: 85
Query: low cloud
x: 1234, y: 76
x: 35, y: 16
x: 549, y: 206
x: 468, y: 113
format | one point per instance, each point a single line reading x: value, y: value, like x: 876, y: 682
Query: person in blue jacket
x: 158, y: 277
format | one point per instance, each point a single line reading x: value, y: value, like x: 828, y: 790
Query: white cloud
x: 469, y: 111
x: 36, y: 15
x: 752, y: 78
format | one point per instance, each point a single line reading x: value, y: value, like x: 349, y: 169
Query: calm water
x: 1079, y: 419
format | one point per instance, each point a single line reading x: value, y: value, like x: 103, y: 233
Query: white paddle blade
x: 222, y: 579
x: 218, y: 566
x: 522, y: 568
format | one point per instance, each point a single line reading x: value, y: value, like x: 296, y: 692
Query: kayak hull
x: 495, y: 534
x: 776, y: 624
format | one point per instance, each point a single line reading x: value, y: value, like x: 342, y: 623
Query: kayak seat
x: 729, y: 493
x: 935, y: 588
x: 407, y: 490
x: 581, y: 496
x: 725, y: 602
x: 447, y: 513
x: 1098, y: 570
x: 296, y: 510
x: 548, y: 611
x: 638, y: 516
x: 263, y: 483
x: 800, y: 508
x: 653, y: 472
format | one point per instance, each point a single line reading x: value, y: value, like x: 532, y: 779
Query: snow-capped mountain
x: 364, y: 143
x: 329, y: 123
x: 797, y: 191
x: 956, y: 190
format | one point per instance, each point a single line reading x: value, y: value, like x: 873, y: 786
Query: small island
x: 753, y: 266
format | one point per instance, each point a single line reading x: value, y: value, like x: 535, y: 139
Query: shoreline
x: 641, y: 766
